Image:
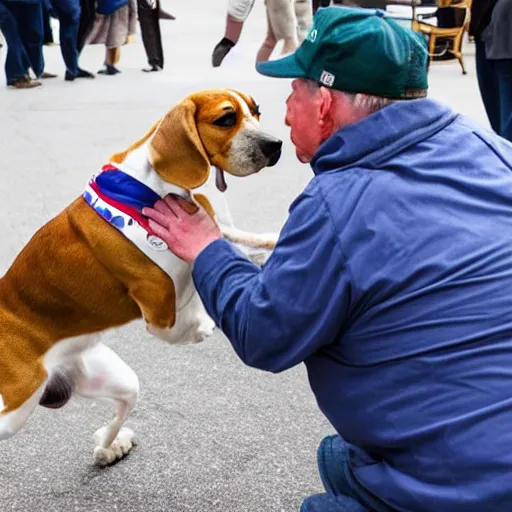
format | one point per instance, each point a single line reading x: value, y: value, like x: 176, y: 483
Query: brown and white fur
x: 79, y: 276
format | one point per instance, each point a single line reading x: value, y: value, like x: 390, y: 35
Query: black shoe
x: 220, y: 51
x: 82, y: 73
x: 152, y: 69
x: 109, y: 70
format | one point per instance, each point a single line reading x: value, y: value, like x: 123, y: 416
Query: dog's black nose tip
x: 274, y: 158
x: 271, y: 147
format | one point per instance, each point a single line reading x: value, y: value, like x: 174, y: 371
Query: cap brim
x: 287, y: 67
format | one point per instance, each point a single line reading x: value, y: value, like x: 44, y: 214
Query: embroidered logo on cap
x: 312, y: 35
x: 327, y: 78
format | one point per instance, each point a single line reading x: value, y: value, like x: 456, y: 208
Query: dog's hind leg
x: 103, y: 374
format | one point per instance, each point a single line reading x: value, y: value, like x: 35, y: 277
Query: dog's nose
x: 271, y: 148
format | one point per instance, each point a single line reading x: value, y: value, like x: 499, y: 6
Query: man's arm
x: 277, y: 316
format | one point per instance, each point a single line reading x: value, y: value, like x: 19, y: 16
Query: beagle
x: 97, y: 265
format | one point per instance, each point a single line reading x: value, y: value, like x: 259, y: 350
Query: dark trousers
x: 47, y: 27
x: 16, y: 62
x: 151, y: 37
x: 68, y: 14
x: 29, y: 20
x: 495, y: 83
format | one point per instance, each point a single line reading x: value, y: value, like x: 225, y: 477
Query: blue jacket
x: 108, y: 7
x: 392, y: 281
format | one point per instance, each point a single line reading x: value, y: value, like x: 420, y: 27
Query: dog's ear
x: 118, y: 158
x: 176, y: 151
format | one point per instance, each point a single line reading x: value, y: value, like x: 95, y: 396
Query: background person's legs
x: 16, y: 62
x: 488, y: 85
x: 238, y: 11
x: 47, y: 27
x: 503, y: 71
x: 149, y: 20
x: 29, y: 18
x: 68, y: 13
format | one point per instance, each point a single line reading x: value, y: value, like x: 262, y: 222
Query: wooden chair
x: 455, y: 34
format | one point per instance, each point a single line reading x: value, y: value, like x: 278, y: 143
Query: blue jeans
x: 495, y: 83
x: 16, y: 62
x: 29, y: 22
x: 343, y: 494
x: 68, y: 14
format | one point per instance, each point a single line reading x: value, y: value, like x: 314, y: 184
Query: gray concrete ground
x: 213, y: 434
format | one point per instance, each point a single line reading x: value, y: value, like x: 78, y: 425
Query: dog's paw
x: 205, y: 330
x: 121, y: 446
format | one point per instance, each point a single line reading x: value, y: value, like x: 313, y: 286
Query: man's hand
x: 186, y: 228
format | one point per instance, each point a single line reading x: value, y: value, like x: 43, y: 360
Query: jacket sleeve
x: 277, y: 316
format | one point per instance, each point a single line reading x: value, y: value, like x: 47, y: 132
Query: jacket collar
x: 381, y: 134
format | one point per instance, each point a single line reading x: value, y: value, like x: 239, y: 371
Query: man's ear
x: 326, y: 122
x: 176, y: 151
x: 326, y: 103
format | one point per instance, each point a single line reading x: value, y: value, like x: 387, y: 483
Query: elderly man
x: 391, y: 280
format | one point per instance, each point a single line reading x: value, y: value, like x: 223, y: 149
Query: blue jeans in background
x: 16, y: 62
x: 68, y: 14
x: 495, y: 83
x: 29, y: 21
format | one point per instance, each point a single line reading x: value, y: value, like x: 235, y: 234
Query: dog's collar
x: 119, y: 198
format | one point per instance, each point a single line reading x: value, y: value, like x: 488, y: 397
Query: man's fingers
x: 189, y: 207
x: 156, y: 215
x: 179, y: 205
x: 164, y: 208
x: 159, y: 230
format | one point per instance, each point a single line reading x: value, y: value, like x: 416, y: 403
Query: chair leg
x: 461, y: 60
x: 431, y: 48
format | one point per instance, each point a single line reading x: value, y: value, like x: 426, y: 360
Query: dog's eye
x: 226, y: 121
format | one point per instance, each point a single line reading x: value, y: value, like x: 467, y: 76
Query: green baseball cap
x: 359, y: 51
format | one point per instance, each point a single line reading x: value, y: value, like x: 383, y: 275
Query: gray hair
x: 370, y: 103
x: 365, y: 102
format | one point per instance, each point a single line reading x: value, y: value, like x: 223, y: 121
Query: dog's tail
x: 253, y: 240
